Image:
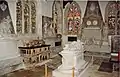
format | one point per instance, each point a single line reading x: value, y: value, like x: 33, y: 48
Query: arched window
x: 19, y: 16
x: 33, y: 17
x: 57, y: 14
x: 112, y: 17
x: 26, y: 17
x: 118, y: 17
x: 72, y: 18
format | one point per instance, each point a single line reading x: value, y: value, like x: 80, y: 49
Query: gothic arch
x: 57, y: 15
x: 112, y: 17
x: 72, y: 18
x: 26, y: 17
x: 118, y: 17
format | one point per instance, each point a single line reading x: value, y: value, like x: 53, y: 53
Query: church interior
x: 59, y: 38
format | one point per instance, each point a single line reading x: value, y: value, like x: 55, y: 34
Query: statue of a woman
x: 5, y: 26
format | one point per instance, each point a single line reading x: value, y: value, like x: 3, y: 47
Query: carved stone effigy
x: 72, y: 56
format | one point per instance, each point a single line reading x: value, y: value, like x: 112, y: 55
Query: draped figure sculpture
x: 5, y: 26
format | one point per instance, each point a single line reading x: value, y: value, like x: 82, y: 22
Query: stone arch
x: 57, y: 15
x: 112, y: 17
x: 26, y: 16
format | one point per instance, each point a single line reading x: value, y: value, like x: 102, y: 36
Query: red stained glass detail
x: 73, y: 16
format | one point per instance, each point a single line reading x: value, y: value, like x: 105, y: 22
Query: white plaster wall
x: 44, y: 8
x: 82, y: 5
x: 8, y: 49
x: 39, y: 18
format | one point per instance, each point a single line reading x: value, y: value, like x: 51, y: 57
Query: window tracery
x: 118, y: 17
x: 19, y: 16
x: 113, y: 17
x: 26, y: 17
x: 33, y: 17
x: 73, y: 17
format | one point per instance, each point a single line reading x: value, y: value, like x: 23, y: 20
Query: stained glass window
x: 113, y: 17
x: 33, y: 17
x: 73, y: 18
x: 26, y: 16
x: 19, y: 16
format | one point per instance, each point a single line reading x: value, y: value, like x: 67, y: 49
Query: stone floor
x: 39, y: 71
x: 34, y: 72
x: 93, y: 72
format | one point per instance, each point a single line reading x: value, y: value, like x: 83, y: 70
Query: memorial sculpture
x: 5, y: 26
x: 72, y: 57
x: 94, y: 31
x: 10, y: 59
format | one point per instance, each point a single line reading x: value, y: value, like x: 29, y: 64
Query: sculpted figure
x: 5, y: 26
